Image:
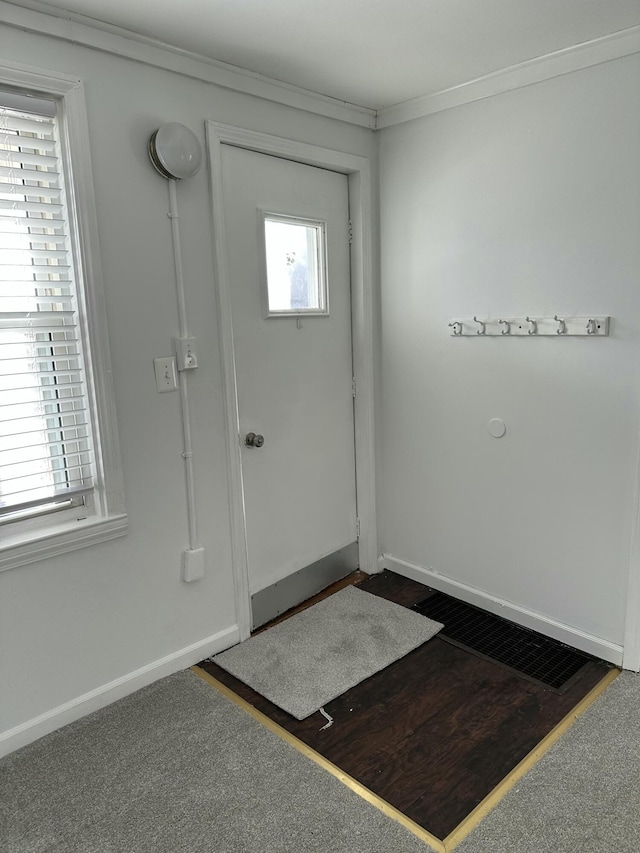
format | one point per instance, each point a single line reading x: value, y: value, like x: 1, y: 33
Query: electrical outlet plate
x: 166, y: 376
x: 192, y: 564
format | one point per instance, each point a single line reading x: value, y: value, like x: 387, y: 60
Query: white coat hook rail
x: 530, y: 327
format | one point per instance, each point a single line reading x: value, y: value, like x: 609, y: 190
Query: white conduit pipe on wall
x: 187, y: 453
x: 176, y: 154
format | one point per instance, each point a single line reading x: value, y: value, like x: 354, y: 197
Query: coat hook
x: 591, y: 327
x: 483, y: 326
x: 456, y: 326
x: 562, y: 330
x: 507, y: 327
x: 534, y: 326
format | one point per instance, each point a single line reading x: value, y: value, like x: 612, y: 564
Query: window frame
x: 43, y: 536
x: 322, y: 266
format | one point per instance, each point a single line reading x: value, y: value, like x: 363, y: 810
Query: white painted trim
x: 86, y: 246
x: 55, y: 540
x: 35, y: 17
x: 631, y: 658
x: 614, y: 46
x: 239, y: 562
x: 362, y: 302
x: 522, y: 616
x: 104, y: 695
x: 33, y: 78
x: 359, y: 176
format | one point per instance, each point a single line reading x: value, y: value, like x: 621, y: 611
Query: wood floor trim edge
x: 491, y: 800
x: 321, y: 761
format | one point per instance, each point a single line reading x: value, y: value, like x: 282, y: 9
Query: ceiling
x: 373, y: 53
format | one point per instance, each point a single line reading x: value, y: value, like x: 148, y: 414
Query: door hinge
x: 354, y: 389
x: 350, y: 232
x: 357, y: 529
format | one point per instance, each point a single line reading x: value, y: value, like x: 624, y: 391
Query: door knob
x: 253, y: 440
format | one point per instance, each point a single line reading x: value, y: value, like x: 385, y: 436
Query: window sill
x: 22, y: 549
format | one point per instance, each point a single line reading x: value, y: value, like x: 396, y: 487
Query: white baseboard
x: 102, y: 696
x: 528, y: 618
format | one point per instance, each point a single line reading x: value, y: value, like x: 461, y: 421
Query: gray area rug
x: 583, y: 796
x: 318, y: 654
x: 177, y: 768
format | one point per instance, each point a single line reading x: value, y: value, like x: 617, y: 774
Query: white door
x: 293, y: 359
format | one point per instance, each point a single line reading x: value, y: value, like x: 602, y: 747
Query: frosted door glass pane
x: 295, y: 279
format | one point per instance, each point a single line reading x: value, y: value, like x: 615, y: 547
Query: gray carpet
x: 177, y: 768
x: 583, y: 796
x: 306, y: 661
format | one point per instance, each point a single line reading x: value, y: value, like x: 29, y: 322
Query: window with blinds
x: 46, y: 452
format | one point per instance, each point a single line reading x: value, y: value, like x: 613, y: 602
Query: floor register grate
x: 529, y: 653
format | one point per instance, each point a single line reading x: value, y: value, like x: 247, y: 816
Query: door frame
x: 631, y: 643
x: 358, y: 171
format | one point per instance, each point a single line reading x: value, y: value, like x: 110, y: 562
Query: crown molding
x: 35, y: 17
x: 605, y: 49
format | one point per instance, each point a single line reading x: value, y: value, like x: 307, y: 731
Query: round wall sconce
x: 175, y: 151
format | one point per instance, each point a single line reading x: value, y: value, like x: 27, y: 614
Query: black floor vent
x: 533, y: 655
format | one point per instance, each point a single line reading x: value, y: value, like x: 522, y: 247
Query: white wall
x: 72, y: 625
x: 524, y: 203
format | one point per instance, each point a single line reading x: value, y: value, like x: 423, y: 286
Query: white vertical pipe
x: 187, y: 453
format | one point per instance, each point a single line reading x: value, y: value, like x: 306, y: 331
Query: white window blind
x: 46, y: 453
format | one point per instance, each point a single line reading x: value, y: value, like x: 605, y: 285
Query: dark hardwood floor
x: 435, y: 732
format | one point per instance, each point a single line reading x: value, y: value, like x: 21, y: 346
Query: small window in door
x: 295, y: 262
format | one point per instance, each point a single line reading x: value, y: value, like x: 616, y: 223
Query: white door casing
x: 358, y: 173
x: 293, y: 372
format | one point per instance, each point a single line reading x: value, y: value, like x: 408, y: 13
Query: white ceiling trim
x: 32, y: 16
x: 614, y: 46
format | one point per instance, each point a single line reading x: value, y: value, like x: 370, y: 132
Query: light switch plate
x: 166, y: 376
